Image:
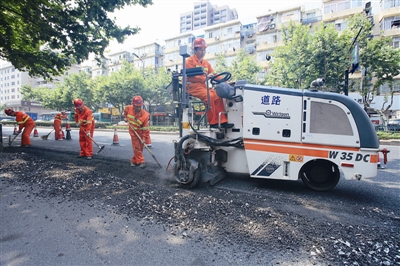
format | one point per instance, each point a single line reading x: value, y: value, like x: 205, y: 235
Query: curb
x: 393, y: 142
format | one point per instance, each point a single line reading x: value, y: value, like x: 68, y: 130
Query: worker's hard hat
x: 8, y: 111
x: 78, y: 103
x: 137, y: 101
x: 199, y: 42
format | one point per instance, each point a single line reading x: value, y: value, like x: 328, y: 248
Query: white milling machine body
x: 278, y: 133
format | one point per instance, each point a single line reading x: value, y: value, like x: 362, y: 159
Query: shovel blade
x: 101, y: 148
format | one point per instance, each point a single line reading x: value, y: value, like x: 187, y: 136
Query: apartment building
x: 205, y: 14
x: 172, y: 60
x: 149, y: 55
x: 223, y: 39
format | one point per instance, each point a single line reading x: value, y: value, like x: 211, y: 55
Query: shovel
x: 144, y: 144
x: 98, y: 146
x: 10, y: 142
x: 45, y: 137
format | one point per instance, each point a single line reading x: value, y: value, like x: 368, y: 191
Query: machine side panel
x: 270, y: 114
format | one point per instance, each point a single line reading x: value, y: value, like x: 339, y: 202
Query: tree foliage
x: 46, y: 37
x: 380, y: 63
x: 292, y: 61
x: 243, y: 67
x: 116, y: 89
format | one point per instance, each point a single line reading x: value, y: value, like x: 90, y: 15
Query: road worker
x: 57, y: 125
x: 198, y: 88
x: 138, y: 120
x: 85, y: 121
x: 25, y: 122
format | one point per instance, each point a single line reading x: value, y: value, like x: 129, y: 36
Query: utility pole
x: 140, y: 58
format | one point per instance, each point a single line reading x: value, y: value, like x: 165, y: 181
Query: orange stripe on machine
x: 297, y: 150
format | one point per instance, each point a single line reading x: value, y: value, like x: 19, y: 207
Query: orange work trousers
x: 57, y: 129
x: 198, y: 90
x: 25, y: 139
x: 86, y: 143
x: 137, y: 148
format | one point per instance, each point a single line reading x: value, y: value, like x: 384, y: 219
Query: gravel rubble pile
x: 253, y: 228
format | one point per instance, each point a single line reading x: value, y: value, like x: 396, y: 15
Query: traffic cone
x: 379, y: 163
x: 15, y: 130
x: 68, y: 129
x: 115, y: 140
x: 35, y: 133
x: 60, y: 134
x: 148, y: 141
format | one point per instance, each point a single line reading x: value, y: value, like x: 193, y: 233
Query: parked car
x: 394, y: 125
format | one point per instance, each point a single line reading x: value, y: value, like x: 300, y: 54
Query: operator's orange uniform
x: 86, y: 123
x: 140, y: 122
x: 57, y: 125
x: 197, y: 88
x: 25, y: 121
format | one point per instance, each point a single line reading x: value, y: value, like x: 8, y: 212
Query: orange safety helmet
x: 78, y: 103
x: 137, y: 101
x: 199, y: 42
x: 8, y: 111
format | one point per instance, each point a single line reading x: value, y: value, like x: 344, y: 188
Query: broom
x: 46, y: 136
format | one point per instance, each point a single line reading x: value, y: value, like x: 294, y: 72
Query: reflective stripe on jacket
x: 84, y: 118
x: 139, y: 121
x: 23, y: 119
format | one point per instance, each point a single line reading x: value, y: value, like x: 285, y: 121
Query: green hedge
x: 152, y: 128
x: 385, y: 135
x: 50, y: 124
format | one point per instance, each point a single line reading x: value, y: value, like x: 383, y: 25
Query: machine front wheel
x: 320, y: 175
x: 187, y: 178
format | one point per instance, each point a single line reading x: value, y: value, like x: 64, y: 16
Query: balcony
x: 306, y: 21
x: 247, y: 33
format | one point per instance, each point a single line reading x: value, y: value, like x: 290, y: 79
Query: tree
x: 330, y: 57
x: 155, y: 93
x: 119, y: 88
x: 46, y: 37
x: 243, y: 67
x: 292, y: 61
x: 380, y: 63
x: 62, y: 96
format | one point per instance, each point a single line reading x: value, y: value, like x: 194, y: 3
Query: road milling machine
x: 278, y: 133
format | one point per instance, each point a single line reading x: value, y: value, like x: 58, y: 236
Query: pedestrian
x: 198, y: 88
x: 59, y: 135
x: 85, y: 121
x: 25, y: 122
x: 138, y: 120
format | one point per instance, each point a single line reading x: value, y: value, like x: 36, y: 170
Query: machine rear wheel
x: 320, y: 175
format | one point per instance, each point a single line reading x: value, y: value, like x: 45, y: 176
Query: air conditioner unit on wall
x: 216, y: 38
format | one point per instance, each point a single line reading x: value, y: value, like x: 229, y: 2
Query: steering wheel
x: 226, y: 76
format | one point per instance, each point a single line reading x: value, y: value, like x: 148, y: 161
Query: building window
x: 387, y: 23
x: 390, y: 3
x: 396, y: 42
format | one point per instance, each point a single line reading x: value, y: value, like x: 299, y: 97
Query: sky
x: 160, y: 21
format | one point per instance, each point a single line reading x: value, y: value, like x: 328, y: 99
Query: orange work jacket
x: 139, y: 121
x: 192, y: 62
x: 59, y: 117
x: 23, y: 119
x: 84, y: 118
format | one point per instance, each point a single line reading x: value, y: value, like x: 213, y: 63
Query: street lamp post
x: 140, y: 58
